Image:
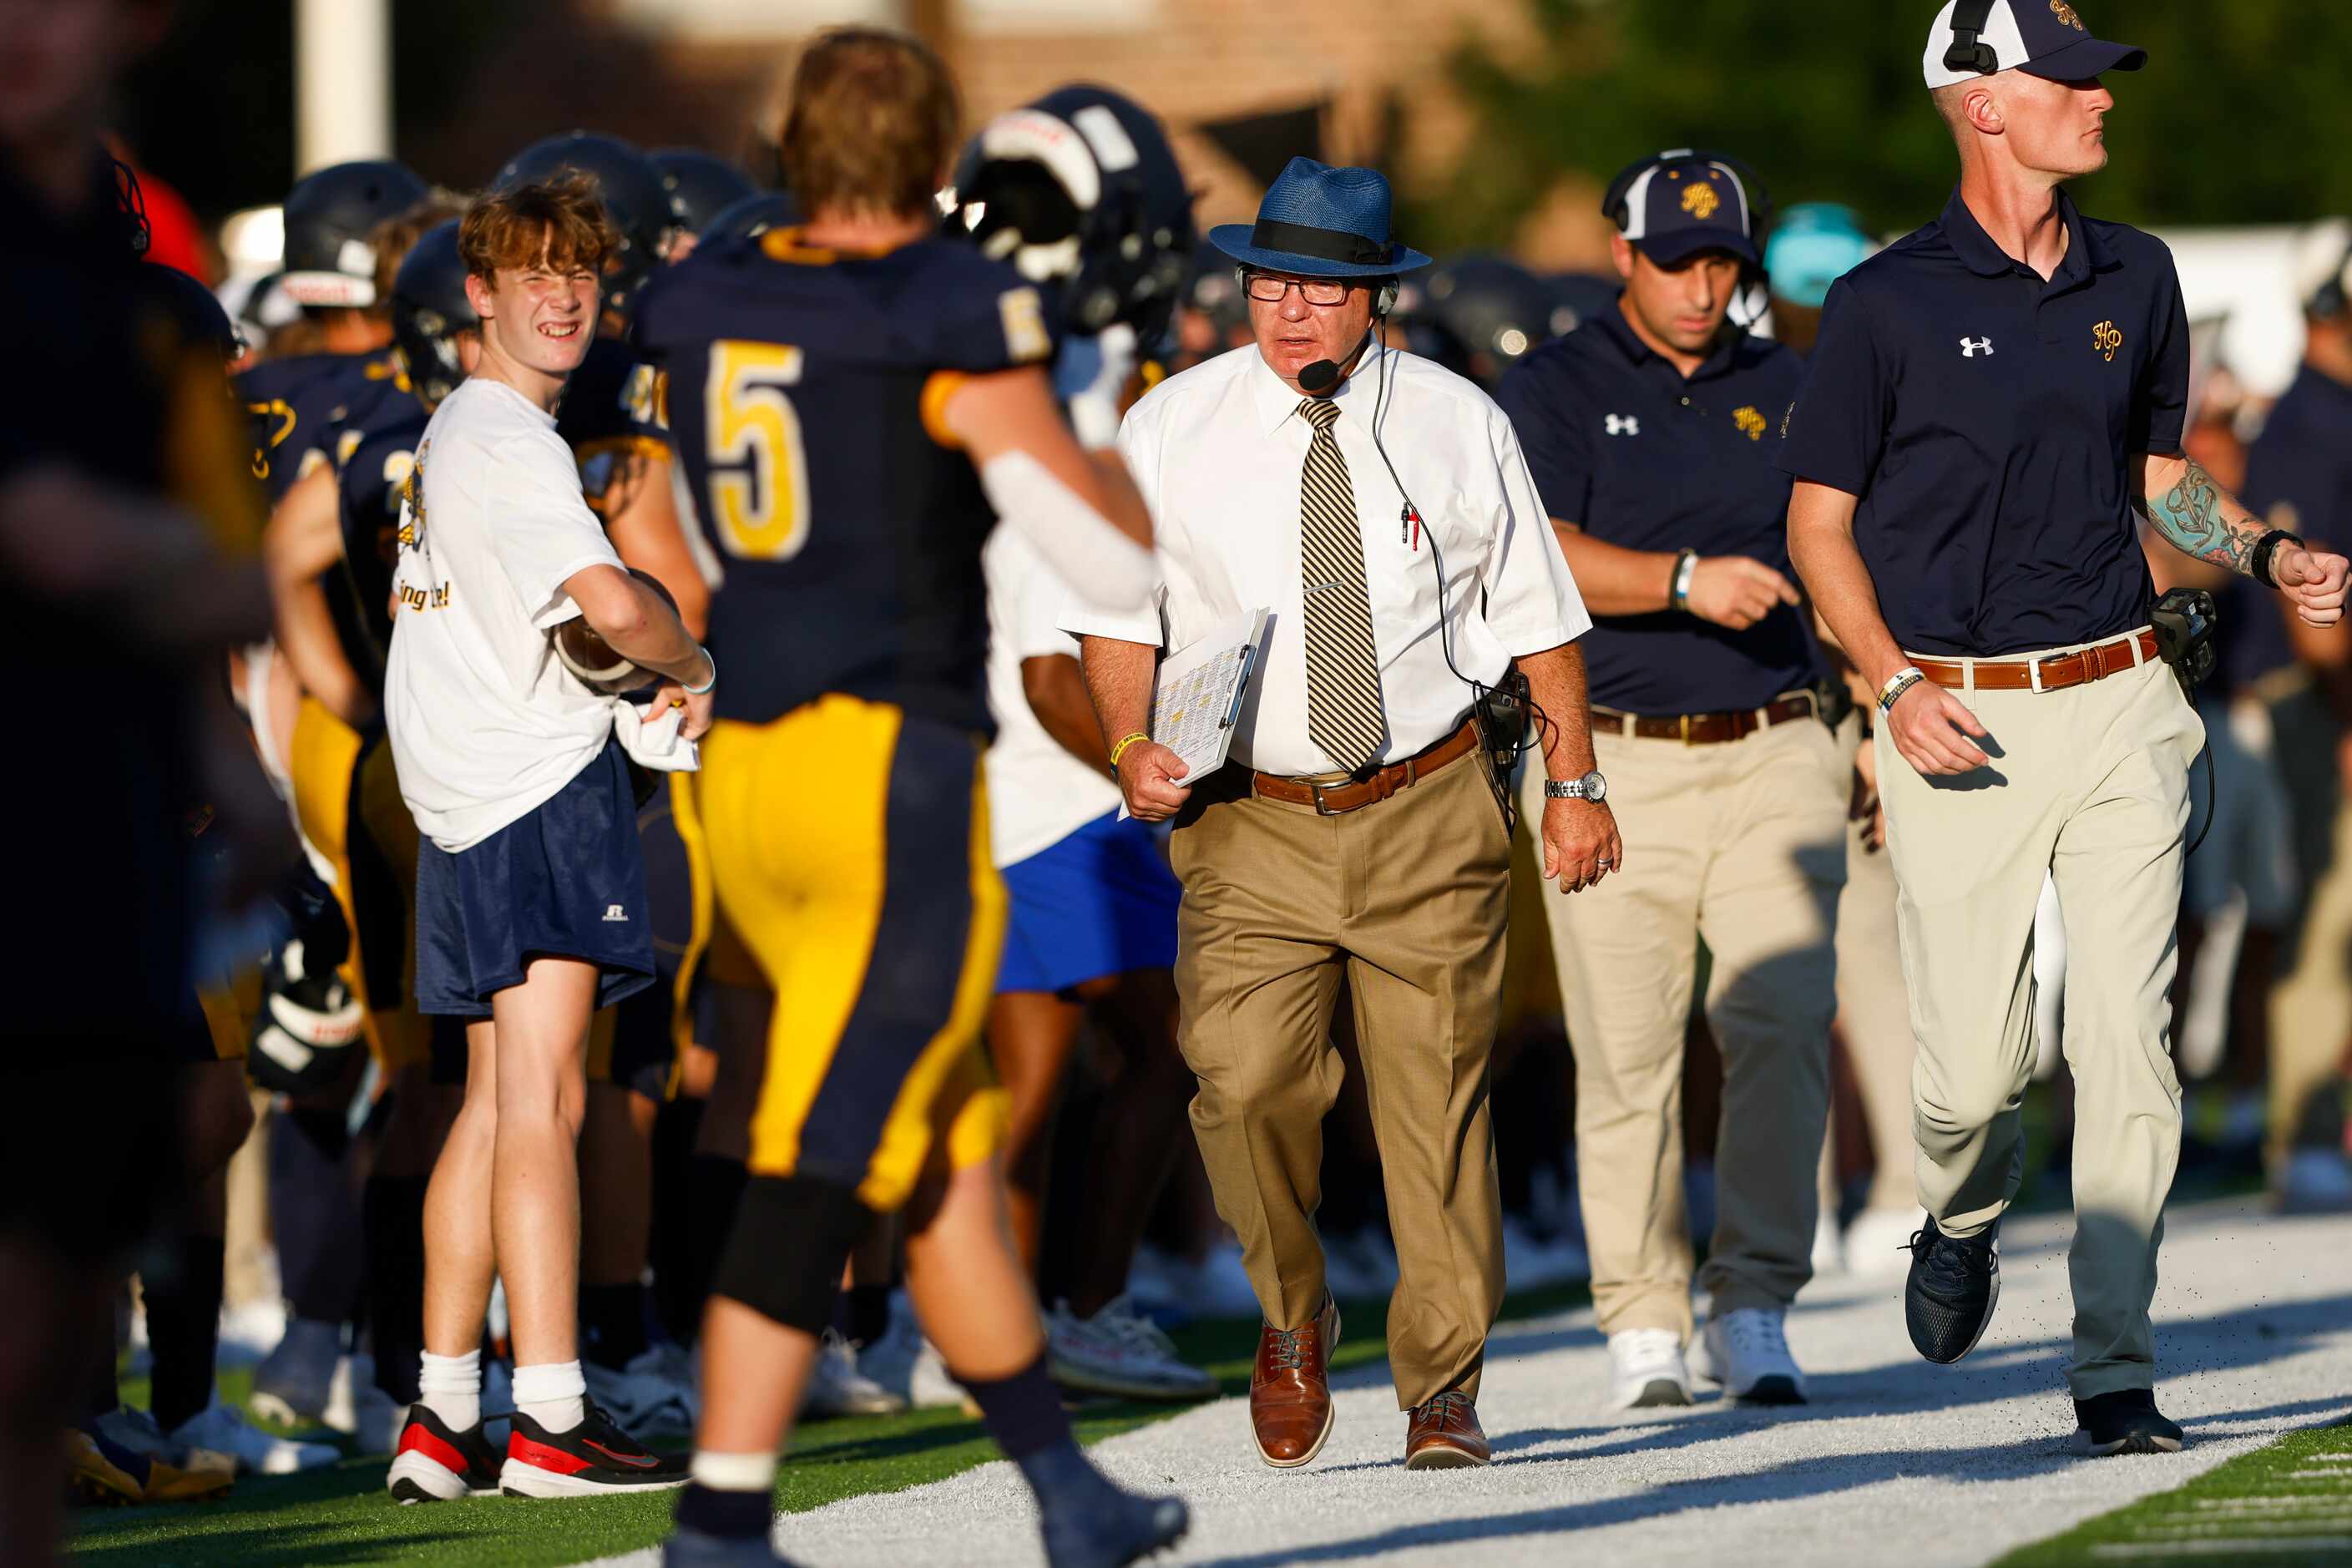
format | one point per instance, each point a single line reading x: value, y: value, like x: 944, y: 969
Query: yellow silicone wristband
x: 1125, y: 742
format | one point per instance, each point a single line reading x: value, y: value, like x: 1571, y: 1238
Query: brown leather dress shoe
x: 1444, y: 1435
x: 1290, y: 1389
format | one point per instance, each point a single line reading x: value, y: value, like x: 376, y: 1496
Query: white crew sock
x: 734, y: 1472
x: 451, y: 1386
x: 554, y: 1395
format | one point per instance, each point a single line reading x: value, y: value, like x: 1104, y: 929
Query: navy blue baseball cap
x: 1321, y: 222
x: 1683, y: 204
x: 2039, y: 38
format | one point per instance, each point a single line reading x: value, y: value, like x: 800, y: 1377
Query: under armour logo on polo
x: 615, y: 912
x: 1971, y: 347
x: 1623, y: 425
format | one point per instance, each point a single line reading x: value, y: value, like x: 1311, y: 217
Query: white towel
x: 655, y: 742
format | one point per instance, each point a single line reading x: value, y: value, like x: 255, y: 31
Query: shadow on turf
x: 279, y: 1545
x: 1810, y: 1477
x: 2248, y: 1336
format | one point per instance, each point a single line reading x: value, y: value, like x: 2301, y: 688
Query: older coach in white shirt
x: 1357, y: 830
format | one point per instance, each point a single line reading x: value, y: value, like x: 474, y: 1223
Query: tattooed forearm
x: 2202, y: 520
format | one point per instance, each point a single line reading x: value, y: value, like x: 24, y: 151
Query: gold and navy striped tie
x: 1343, y: 664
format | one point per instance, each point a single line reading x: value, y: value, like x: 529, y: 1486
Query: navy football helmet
x: 329, y: 216
x: 634, y: 199
x: 700, y: 184
x: 1080, y: 191
x: 429, y: 309
x: 753, y: 216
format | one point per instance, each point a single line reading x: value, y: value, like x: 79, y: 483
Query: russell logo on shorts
x: 615, y: 912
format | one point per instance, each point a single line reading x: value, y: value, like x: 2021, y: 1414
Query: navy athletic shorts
x: 568, y: 880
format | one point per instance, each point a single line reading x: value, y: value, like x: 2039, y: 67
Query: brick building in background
x: 1242, y: 84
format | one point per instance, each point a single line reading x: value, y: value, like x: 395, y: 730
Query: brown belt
x: 2053, y: 673
x: 1707, y: 729
x: 1332, y: 800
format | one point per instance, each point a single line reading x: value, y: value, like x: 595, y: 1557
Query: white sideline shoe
x: 1646, y: 1370
x: 1746, y: 1351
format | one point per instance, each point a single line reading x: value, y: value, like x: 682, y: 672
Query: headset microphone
x: 1319, y: 378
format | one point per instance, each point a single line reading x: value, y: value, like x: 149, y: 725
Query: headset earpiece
x: 1385, y: 301
x: 1969, y: 52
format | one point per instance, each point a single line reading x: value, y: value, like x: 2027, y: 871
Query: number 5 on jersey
x: 759, y: 471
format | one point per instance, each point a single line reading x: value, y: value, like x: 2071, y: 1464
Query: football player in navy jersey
x: 329, y: 548
x: 855, y: 401
x: 331, y: 268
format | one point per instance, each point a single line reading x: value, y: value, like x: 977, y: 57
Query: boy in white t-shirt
x: 530, y: 886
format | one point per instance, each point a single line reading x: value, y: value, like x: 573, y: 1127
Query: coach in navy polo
x: 1651, y: 434
x: 1991, y: 400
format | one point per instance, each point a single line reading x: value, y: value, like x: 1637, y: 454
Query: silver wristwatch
x: 1592, y: 786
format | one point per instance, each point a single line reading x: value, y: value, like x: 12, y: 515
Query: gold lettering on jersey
x: 1700, y: 201
x: 638, y: 395
x: 2105, y: 340
x: 281, y: 419
x: 1750, y: 422
x: 2065, y: 13
x: 1024, y: 315
x: 345, y: 444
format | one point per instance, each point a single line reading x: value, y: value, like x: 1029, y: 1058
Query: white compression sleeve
x: 1115, y: 572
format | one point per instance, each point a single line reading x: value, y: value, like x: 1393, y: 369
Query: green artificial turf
x: 2288, y: 1502
x: 341, y: 1514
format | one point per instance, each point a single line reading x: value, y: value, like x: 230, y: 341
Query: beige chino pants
x: 1406, y: 898
x: 1874, y: 1011
x: 1743, y: 844
x: 2091, y: 785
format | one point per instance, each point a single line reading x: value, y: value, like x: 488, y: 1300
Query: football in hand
x: 584, y: 652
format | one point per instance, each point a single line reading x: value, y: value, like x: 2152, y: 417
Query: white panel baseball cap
x: 2041, y: 37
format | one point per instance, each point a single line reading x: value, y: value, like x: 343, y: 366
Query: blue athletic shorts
x: 1100, y: 901
x: 568, y: 880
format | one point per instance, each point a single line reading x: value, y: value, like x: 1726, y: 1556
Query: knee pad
x: 783, y: 1258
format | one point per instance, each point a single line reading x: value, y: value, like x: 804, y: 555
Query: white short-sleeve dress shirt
x: 1218, y: 452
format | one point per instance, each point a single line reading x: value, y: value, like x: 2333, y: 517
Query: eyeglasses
x: 1271, y: 289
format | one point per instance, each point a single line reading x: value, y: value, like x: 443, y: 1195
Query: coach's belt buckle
x: 2033, y: 670
x: 1316, y: 790
x: 1685, y: 722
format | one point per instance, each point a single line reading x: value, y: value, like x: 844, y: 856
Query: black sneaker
x: 2123, y: 1422
x: 438, y: 1463
x: 592, y: 1459
x: 1954, y: 1283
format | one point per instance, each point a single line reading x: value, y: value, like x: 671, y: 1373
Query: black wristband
x: 2258, y: 563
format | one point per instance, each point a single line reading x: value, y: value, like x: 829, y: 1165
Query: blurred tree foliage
x: 2242, y: 114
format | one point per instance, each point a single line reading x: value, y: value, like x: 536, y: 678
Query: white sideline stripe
x: 2224, y: 1548
x: 1894, y: 1461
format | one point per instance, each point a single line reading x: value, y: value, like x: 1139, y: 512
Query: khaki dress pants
x: 1406, y: 899
x: 1874, y: 1012
x: 2090, y: 785
x: 1742, y: 844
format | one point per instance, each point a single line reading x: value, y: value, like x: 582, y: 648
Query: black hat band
x: 1323, y: 244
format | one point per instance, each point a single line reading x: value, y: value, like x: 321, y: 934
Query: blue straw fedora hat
x: 1321, y: 222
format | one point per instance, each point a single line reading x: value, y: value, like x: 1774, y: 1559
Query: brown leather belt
x: 2054, y: 673
x: 1333, y: 800
x: 1706, y: 728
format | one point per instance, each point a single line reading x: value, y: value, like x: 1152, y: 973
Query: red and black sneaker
x: 591, y: 1459
x: 436, y: 1463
